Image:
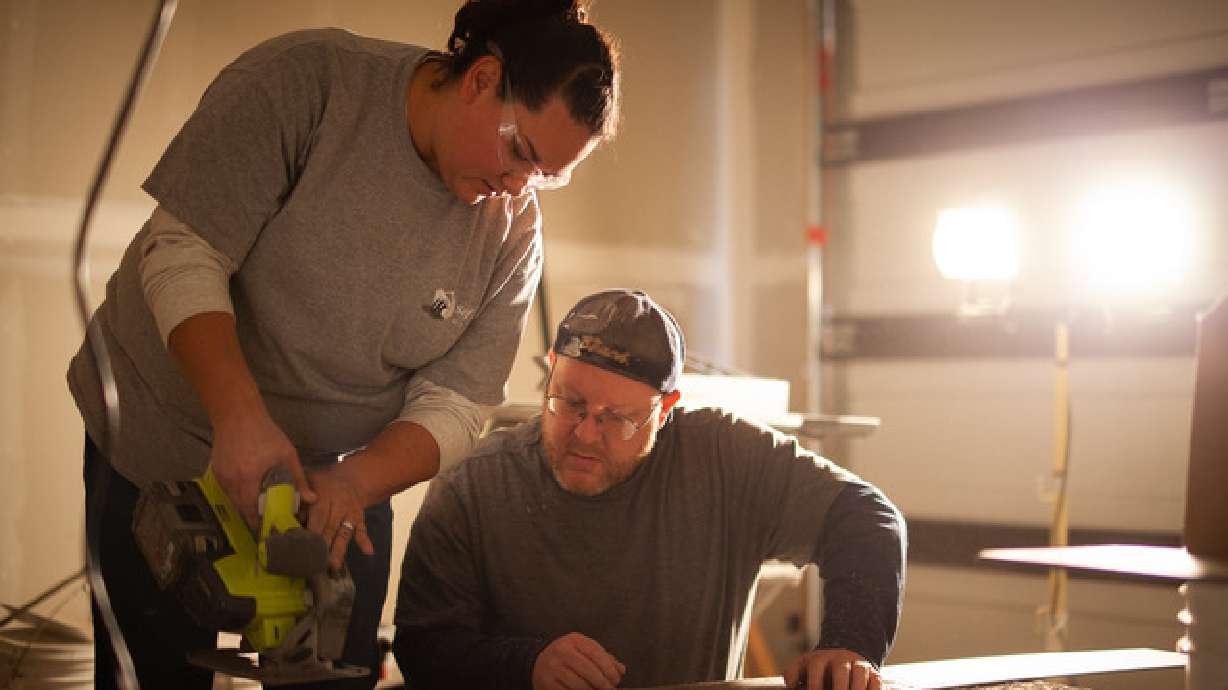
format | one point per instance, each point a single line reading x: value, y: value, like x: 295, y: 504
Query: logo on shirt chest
x: 443, y: 306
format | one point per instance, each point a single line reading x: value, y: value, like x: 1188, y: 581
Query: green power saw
x: 274, y: 588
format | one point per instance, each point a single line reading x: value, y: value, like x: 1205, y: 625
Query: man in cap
x: 615, y: 540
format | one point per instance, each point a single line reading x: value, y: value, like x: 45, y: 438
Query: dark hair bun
x: 546, y: 47
x: 479, y: 21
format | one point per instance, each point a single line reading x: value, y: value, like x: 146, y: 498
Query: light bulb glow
x: 1133, y: 237
x: 980, y: 243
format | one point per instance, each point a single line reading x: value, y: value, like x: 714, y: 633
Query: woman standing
x: 344, y: 250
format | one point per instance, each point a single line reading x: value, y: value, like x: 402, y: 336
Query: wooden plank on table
x: 1132, y: 559
x: 769, y: 683
x: 772, y: 683
x: 983, y: 670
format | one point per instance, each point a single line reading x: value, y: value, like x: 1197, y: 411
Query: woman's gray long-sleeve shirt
x: 356, y: 271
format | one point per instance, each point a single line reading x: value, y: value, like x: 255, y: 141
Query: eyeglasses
x: 518, y: 157
x: 574, y: 412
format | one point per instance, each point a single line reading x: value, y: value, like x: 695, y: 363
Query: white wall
x: 970, y: 440
x: 923, y: 55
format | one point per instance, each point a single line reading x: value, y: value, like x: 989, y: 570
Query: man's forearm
x: 862, y: 564
x: 435, y: 659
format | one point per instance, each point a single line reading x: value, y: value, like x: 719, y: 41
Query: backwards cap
x: 625, y: 332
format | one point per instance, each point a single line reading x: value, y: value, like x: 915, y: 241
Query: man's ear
x: 667, y: 403
x: 482, y: 76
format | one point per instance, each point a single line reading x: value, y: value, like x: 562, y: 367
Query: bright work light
x: 980, y: 243
x: 1133, y: 238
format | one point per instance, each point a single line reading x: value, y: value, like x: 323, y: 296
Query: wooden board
x: 985, y: 670
x: 775, y: 683
x: 772, y: 683
x: 954, y: 673
x: 1130, y: 559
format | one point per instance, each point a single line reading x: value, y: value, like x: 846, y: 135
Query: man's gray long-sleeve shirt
x: 659, y: 570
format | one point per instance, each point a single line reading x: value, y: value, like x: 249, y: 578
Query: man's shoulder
x: 716, y: 432
x: 716, y: 421
x: 502, y: 455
